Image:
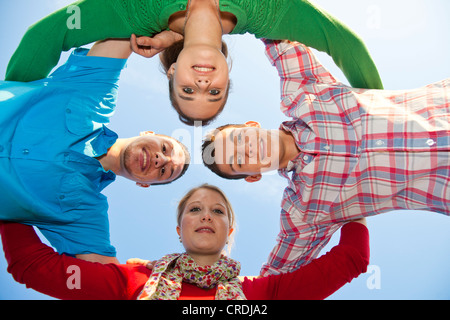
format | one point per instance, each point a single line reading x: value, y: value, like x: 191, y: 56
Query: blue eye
x: 188, y: 90
x: 214, y: 92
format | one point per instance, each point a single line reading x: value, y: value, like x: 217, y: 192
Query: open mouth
x: 203, y: 68
x: 144, y: 159
x: 262, y: 150
x: 204, y: 230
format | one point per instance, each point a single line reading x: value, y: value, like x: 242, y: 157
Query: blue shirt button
x: 25, y: 151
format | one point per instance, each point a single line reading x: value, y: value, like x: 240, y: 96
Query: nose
x: 160, y: 160
x: 247, y: 147
x: 203, y: 83
x: 206, y: 217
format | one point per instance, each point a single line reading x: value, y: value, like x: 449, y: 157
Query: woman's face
x: 204, y: 226
x: 200, y: 81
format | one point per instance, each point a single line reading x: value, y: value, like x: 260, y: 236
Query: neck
x: 201, y: 13
x: 290, y: 149
x: 205, y: 260
x: 111, y: 160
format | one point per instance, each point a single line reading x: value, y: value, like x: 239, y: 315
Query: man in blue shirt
x: 57, y: 155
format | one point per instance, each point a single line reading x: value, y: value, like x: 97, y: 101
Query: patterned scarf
x: 169, y: 273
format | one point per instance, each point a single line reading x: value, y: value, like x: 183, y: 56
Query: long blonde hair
x: 231, y: 216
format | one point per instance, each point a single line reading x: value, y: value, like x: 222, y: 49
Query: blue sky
x: 409, y: 250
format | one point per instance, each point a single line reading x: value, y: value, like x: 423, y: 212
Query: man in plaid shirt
x: 347, y: 153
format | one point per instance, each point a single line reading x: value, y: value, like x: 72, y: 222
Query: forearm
x: 39, y: 267
x: 305, y: 23
x: 40, y: 48
x: 325, y: 275
x: 93, y: 257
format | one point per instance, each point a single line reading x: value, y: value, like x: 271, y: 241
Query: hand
x: 151, y: 46
x: 146, y: 263
x: 362, y: 221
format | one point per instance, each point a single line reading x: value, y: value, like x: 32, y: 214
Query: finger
x: 144, y: 41
x: 133, y: 43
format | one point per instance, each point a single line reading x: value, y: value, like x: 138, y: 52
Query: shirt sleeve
x: 298, y: 243
x: 40, y: 268
x: 91, y: 73
x: 78, y: 24
x: 304, y: 22
x: 296, y: 65
x: 323, y: 276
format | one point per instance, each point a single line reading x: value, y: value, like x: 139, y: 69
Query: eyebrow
x: 231, y: 164
x: 171, y: 154
x: 192, y: 99
x: 186, y: 98
x: 232, y: 156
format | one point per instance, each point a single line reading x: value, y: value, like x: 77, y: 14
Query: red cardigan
x: 39, y: 267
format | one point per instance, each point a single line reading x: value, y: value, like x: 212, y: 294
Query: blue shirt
x: 52, y: 130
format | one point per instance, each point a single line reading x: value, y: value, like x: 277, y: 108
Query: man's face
x: 152, y: 158
x: 248, y: 150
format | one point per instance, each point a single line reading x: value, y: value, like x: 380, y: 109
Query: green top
x: 295, y: 20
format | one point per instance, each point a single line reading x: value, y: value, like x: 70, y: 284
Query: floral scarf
x: 169, y: 273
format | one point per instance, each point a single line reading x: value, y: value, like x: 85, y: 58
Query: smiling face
x: 153, y: 158
x: 205, y: 224
x: 247, y: 150
x: 200, y: 81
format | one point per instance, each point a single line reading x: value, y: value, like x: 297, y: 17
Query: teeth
x: 144, y: 164
x: 203, y: 69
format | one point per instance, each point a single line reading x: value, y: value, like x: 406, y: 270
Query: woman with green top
x: 199, y: 78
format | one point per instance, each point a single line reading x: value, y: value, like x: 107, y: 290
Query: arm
x: 324, y: 275
x: 39, y: 267
x: 304, y: 22
x: 111, y: 48
x: 42, y: 44
x: 296, y: 66
x: 93, y: 257
x: 298, y: 243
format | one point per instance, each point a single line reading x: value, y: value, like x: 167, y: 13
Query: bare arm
x: 111, y: 48
x: 93, y: 257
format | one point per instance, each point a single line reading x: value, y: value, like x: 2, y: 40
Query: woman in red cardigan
x: 205, y: 223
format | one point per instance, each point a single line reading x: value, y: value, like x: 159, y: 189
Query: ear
x: 179, y: 230
x: 253, y: 178
x: 253, y: 124
x: 171, y: 70
x: 143, y: 133
x: 230, y: 232
x: 143, y: 185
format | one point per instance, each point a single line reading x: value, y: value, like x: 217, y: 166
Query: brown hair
x: 170, y: 56
x: 209, y: 152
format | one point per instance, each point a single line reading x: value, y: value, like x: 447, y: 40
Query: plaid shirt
x: 363, y: 152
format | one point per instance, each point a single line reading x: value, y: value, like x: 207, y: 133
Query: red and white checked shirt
x: 363, y: 152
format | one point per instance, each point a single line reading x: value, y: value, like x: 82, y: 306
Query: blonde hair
x: 231, y: 216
